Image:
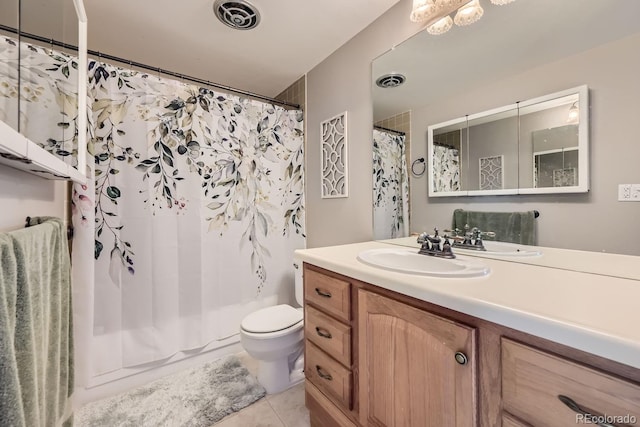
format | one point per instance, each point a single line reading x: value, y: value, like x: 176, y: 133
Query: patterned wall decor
x: 491, y: 173
x: 566, y: 177
x: 334, y: 157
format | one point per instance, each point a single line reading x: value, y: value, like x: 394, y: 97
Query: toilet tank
x: 298, y: 279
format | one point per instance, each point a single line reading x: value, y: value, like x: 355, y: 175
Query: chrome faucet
x: 435, y: 245
x: 472, y: 238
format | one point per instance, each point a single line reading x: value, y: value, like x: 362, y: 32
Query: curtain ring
x: 417, y: 162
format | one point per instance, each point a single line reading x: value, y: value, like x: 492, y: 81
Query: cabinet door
x: 416, y: 368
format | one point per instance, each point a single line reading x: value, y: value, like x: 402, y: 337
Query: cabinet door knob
x: 323, y: 332
x: 571, y: 404
x: 323, y: 374
x: 323, y: 293
x: 461, y: 358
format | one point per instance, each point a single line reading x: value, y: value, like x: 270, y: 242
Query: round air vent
x: 391, y: 80
x: 240, y: 15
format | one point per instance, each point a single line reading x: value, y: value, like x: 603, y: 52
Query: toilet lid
x: 271, y: 319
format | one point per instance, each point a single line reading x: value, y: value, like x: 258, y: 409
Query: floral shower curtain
x: 446, y: 168
x: 197, y: 208
x: 390, y: 186
x: 192, y: 210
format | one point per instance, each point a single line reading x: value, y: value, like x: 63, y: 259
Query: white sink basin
x: 407, y: 260
x: 502, y: 249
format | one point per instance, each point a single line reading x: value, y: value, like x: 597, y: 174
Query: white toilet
x: 274, y: 336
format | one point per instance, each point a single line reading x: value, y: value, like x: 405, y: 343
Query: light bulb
x: 421, y: 10
x: 469, y: 13
x: 441, y: 26
x: 574, y: 113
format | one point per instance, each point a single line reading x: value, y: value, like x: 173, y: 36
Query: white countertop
x: 590, y: 312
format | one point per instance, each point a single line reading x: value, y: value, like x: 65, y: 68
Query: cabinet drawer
x: 328, y: 375
x: 330, y: 335
x: 328, y: 293
x: 532, y: 382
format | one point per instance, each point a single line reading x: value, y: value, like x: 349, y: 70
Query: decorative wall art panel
x: 334, y: 157
x: 566, y: 177
x: 491, y: 173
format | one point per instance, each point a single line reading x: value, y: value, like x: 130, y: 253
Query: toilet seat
x: 271, y: 322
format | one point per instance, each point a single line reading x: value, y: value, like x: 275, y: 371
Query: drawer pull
x: 323, y: 374
x: 461, y: 358
x: 323, y: 332
x: 323, y: 293
x: 578, y: 410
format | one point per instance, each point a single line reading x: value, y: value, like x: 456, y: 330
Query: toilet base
x: 277, y: 375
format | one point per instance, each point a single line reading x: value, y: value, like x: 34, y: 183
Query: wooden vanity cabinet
x: 394, y: 360
x: 545, y: 390
x: 328, y: 347
x: 416, y: 368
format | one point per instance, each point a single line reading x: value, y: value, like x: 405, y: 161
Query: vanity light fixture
x: 422, y: 10
x: 441, y: 26
x: 574, y: 113
x: 436, y: 13
x: 469, y: 13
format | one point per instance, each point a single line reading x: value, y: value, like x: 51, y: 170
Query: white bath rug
x: 197, y: 397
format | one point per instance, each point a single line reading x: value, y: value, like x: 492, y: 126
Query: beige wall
x: 343, y: 82
x: 22, y: 195
x: 595, y: 221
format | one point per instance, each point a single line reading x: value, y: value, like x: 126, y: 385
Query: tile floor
x: 285, y: 409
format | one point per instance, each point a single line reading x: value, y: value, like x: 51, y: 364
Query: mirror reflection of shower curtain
x: 390, y: 186
x: 446, y: 168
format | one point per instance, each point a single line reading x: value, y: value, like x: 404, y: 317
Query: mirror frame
x: 582, y: 93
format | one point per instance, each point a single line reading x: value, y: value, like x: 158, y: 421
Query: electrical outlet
x: 629, y: 192
x: 624, y: 192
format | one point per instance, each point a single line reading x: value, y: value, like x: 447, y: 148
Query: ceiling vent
x: 240, y: 15
x: 391, y: 80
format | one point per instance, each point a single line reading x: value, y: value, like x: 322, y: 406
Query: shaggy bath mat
x: 196, y: 397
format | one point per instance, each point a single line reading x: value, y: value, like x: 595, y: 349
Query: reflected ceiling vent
x: 240, y: 15
x: 391, y: 80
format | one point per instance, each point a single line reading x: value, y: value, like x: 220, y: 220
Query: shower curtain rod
x: 150, y: 68
x: 389, y: 130
x: 439, y: 144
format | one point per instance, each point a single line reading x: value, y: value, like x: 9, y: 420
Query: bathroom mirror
x: 44, y: 65
x: 9, y: 66
x: 530, y: 147
x: 43, y: 87
x: 523, y: 51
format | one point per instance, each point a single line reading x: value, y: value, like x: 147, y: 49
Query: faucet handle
x: 454, y: 233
